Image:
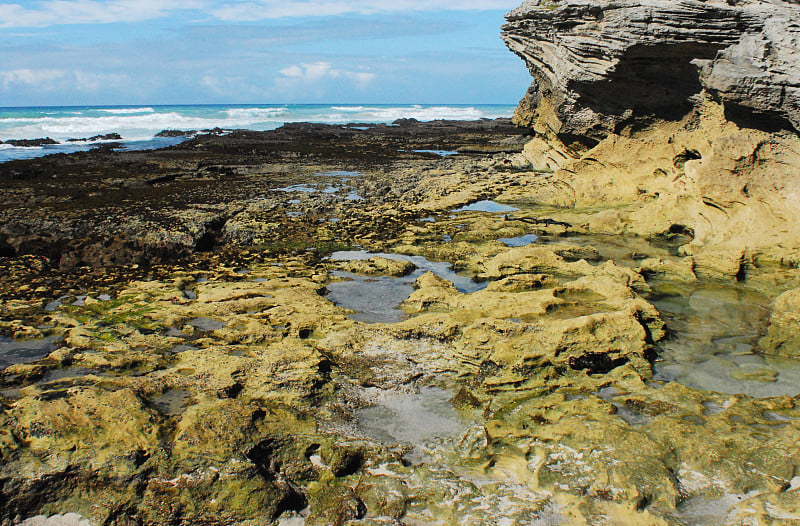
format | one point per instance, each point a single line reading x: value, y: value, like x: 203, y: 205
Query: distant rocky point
x: 175, y: 133
x: 28, y: 143
x: 106, y: 137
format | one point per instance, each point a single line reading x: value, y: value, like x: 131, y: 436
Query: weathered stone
x: 379, y: 266
x: 682, y: 272
x: 783, y: 338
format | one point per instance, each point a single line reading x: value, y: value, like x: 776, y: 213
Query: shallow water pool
x: 376, y: 299
x: 409, y: 417
x: 520, y: 241
x: 486, y: 206
x: 14, y: 352
x: 714, y: 344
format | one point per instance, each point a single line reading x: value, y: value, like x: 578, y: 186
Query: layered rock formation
x: 602, y: 66
x: 668, y: 118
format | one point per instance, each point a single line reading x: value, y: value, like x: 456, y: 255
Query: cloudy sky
x: 93, y: 52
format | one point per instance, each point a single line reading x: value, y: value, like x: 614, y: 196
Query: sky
x: 102, y: 52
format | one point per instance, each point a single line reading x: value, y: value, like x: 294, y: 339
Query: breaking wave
x: 142, y: 124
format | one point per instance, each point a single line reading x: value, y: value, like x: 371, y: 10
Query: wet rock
x: 464, y: 399
x: 28, y: 143
x: 336, y: 506
x: 175, y: 133
x: 346, y: 462
x: 596, y: 363
x: 95, y: 138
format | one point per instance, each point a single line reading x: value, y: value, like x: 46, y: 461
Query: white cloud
x: 59, y: 79
x: 362, y: 79
x: 292, y: 72
x: 55, y: 12
x: 44, y: 78
x: 319, y: 71
x: 98, y: 81
x: 268, y: 9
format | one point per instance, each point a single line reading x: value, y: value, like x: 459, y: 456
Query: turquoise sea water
x: 138, y: 125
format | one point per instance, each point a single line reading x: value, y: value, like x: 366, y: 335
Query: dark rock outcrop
x: 176, y: 133
x: 95, y: 138
x: 31, y: 142
x: 600, y: 67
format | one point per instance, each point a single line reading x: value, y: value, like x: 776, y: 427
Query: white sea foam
x: 131, y: 127
x: 141, y: 124
x: 255, y: 113
x: 421, y: 113
x: 26, y: 148
x: 348, y: 108
x: 127, y: 111
x: 68, y: 519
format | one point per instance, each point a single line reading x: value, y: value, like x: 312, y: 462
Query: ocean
x: 139, y: 125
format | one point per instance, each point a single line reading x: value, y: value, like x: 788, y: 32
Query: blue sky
x: 93, y: 52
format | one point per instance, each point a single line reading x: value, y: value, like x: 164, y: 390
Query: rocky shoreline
x: 210, y: 371
x: 425, y: 323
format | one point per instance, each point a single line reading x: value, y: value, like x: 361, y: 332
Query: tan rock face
x: 783, y: 338
x: 708, y: 161
x: 704, y: 182
x: 379, y: 266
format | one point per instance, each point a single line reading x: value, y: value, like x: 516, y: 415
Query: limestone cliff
x: 680, y: 115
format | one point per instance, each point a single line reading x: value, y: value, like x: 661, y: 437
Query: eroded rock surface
x: 227, y: 388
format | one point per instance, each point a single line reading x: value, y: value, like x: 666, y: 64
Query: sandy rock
x: 432, y: 293
x: 783, y: 338
x: 379, y: 266
x: 522, y: 283
x: 766, y: 508
x: 557, y: 260
x: 555, y: 438
x: 720, y: 264
x: 682, y: 271
x: 72, y: 427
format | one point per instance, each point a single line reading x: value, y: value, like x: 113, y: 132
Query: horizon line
x: 266, y: 104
